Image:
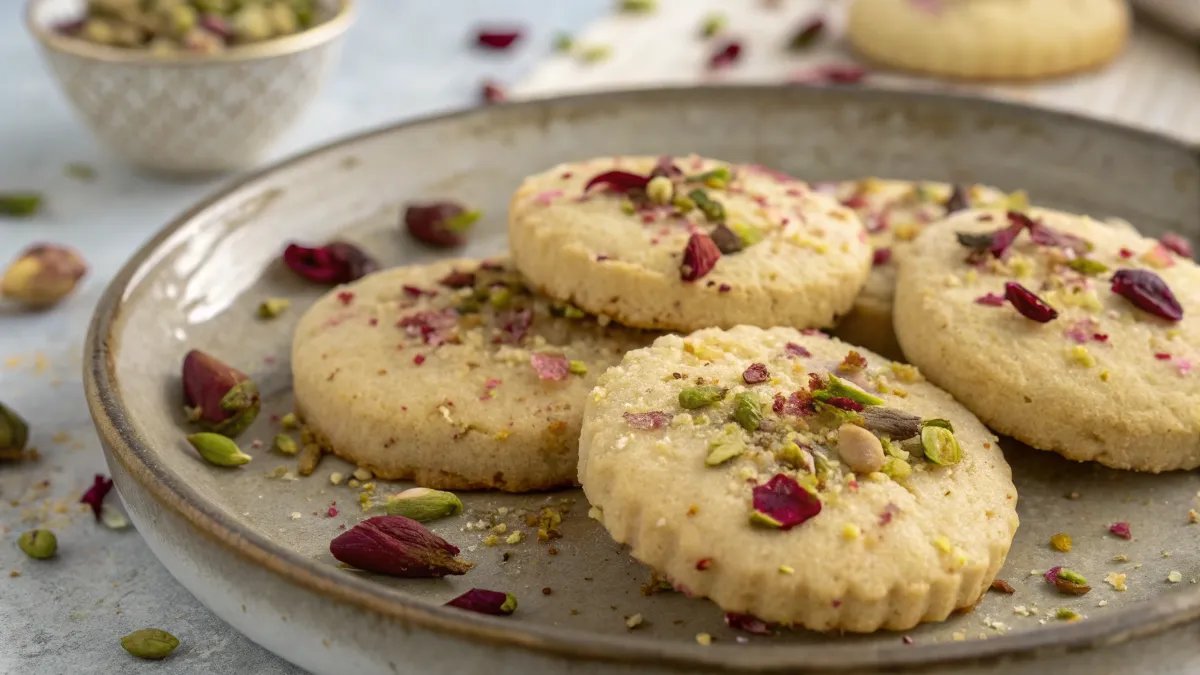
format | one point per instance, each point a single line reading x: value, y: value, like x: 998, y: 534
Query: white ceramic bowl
x: 189, y: 113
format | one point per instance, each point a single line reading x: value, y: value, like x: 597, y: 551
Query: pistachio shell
x: 39, y: 544
x: 217, y: 449
x: 150, y: 643
x: 424, y: 504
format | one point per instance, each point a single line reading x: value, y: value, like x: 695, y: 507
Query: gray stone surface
x: 67, y: 615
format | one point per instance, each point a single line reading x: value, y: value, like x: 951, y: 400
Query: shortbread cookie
x: 452, y: 374
x: 1066, y: 333
x: 788, y: 476
x: 989, y: 39
x: 688, y: 243
x: 894, y: 212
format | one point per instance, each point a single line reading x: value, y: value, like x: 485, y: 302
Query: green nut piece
x: 242, y: 400
x: 573, y: 312
x: 19, y: 204
x: 763, y: 520
x: 424, y: 504
x: 628, y: 208
x: 563, y: 43
x: 638, y: 6
x: 150, y: 643
x: 717, y: 179
x: 283, y: 19
x: 218, y: 449
x: 252, y: 23
x: 660, y: 190
x: 1072, y: 576
x: 747, y: 410
x: 698, y: 397
x: 179, y: 19
x: 713, y: 210
x: 792, y: 455
x: 713, y: 24
x: 750, y: 235
x: 937, y: 422
x: 896, y: 469
x: 273, y: 307
x: 39, y: 544
x: 289, y: 421
x: 14, y: 432
x: 500, y: 297
x: 940, y: 446
x: 836, y: 388
x: 577, y: 367
x: 725, y: 446
x: 683, y: 204
x: 285, y: 444
x: 1086, y: 266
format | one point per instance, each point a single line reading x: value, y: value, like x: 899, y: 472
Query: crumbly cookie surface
x: 976, y: 39
x: 894, y: 212
x: 700, y: 243
x: 1092, y: 375
x: 797, y: 513
x: 452, y: 374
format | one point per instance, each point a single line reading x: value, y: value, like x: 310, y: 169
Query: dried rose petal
x: 1028, y: 304
x: 94, y: 497
x: 784, y: 501
x: 550, y: 366
x: 655, y: 419
x: 334, y: 263
x: 1148, y: 292
x: 399, y: 547
x: 747, y: 622
x: 808, y: 34
x: 439, y: 224
x: 618, y: 181
x: 958, y: 200
x: 991, y: 299
x: 1002, y: 240
x: 830, y: 74
x: 703, y: 564
x: 457, y: 279
x: 844, y: 403
x: 1121, y: 530
x: 882, y: 256
x: 793, y: 349
x: 1082, y: 330
x: 797, y: 404
x: 699, y: 257
x: 515, y: 324
x: 431, y: 326
x: 498, y: 39
x: 1044, y: 235
x: 486, y: 602
x: 853, y: 363
x: 492, y: 92
x: 726, y: 55
x: 1176, y: 244
x: 665, y: 166
x: 756, y: 373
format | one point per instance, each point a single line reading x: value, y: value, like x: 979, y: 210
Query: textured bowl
x: 256, y: 550
x: 189, y: 113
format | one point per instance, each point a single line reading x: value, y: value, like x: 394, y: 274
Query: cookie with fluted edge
x: 686, y: 243
x: 788, y: 476
x: 1039, y: 324
x: 989, y: 39
x: 894, y: 212
x: 452, y: 374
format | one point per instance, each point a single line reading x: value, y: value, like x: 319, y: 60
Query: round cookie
x: 732, y: 514
x: 989, y: 39
x: 452, y: 374
x: 703, y: 244
x: 894, y: 212
x: 1092, y: 375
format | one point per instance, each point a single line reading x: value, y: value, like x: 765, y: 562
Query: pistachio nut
x: 222, y: 398
x: 218, y: 449
x: 42, y: 275
x: 14, y: 432
x: 940, y: 445
x: 273, y: 307
x: 424, y: 504
x: 725, y: 446
x: 698, y: 397
x: 837, y: 388
x: 577, y: 367
x: 285, y: 444
x: 747, y: 410
x: 40, y: 544
x: 660, y: 190
x: 150, y: 643
x: 19, y: 204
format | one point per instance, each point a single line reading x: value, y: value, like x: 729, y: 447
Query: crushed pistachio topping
x: 747, y: 410
x: 577, y: 367
x: 1067, y: 614
x: 1174, y: 577
x: 273, y: 307
x: 699, y: 397
x: 1116, y: 580
x: 1080, y: 355
x: 725, y: 446
x: 1061, y: 542
x: 787, y: 569
x: 940, y: 446
x: 713, y: 24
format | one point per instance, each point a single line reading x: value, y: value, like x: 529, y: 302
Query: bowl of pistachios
x: 190, y: 86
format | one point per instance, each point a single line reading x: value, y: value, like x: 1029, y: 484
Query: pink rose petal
x: 550, y: 366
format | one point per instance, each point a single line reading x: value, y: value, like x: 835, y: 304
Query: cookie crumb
x: 704, y: 639
x: 634, y: 621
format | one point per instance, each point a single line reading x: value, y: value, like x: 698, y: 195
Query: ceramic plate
x: 255, y: 548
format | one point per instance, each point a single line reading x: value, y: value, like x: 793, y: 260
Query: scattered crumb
x: 704, y: 639
x: 363, y: 474
x: 1116, y: 580
x: 1193, y: 516
x: 634, y: 621
x: 515, y: 538
x: 15, y: 573
x: 1102, y: 603
x: 958, y: 636
x: 1174, y: 577
x: 1022, y: 610
x: 1003, y: 586
x: 787, y: 569
x: 296, y: 515
x: 1120, y: 558
x: 547, y: 591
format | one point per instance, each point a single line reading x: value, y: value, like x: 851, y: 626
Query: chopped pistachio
x: 717, y: 179
x: 713, y: 210
x: 595, y: 53
x: 563, y: 42
x: 942, y: 543
x: 150, y: 643
x: 81, y: 172
x: 500, y: 297
x: 791, y: 454
x: 1080, y: 354
x: 660, y: 190
x: 1067, y: 614
x: 273, y: 307
x: 787, y: 569
x: 577, y: 367
x: 896, y: 469
x: 750, y: 234
x: 1087, y: 266
x: 38, y: 544
x: 936, y: 422
x: 1072, y: 576
x: 763, y: 520
x: 19, y: 204
x: 698, y: 397
x: 289, y: 421
x: 515, y: 538
x: 940, y: 446
x: 713, y: 23
x: 704, y: 639
x: 683, y: 204
x: 336, y: 478
x: 424, y: 504
x: 747, y: 410
x: 1174, y: 577
x: 627, y: 207
x: 851, y: 531
x: 836, y: 388
x: 1061, y: 542
x: 725, y: 446
x: 285, y: 444
x: 638, y: 6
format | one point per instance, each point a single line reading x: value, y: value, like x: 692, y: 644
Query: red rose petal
x: 991, y: 299
x: 882, y: 256
x: 457, y: 279
x: 844, y: 403
x: 492, y: 92
x: 1051, y: 574
x: 703, y: 564
x: 699, y: 257
x: 1047, y: 236
x: 1162, y: 356
x: 655, y: 419
x: 618, y: 181
x: 334, y: 263
x: 796, y: 404
x: 94, y: 497
x: 550, y: 366
x: 782, y: 499
x: 1028, y: 304
x: 515, y: 324
x: 1121, y: 529
x: 748, y: 623
x: 498, y: 39
x: 793, y: 349
x: 429, y: 325
x: 1148, y: 292
x: 726, y: 55
x: 1176, y: 244
x: 756, y: 373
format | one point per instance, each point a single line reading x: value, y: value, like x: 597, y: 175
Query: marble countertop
x: 400, y: 60
x: 67, y: 615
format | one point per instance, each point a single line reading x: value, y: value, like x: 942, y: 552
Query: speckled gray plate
x: 255, y: 549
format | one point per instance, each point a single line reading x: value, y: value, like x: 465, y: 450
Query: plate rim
x: 124, y: 445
